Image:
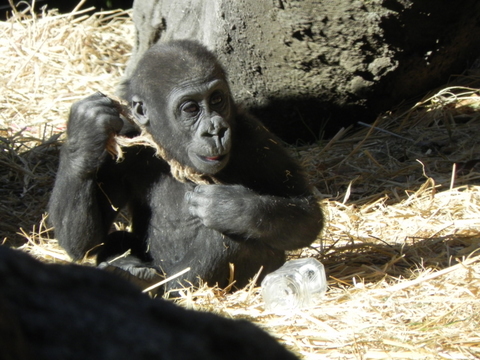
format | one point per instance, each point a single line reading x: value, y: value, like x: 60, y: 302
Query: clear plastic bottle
x: 298, y: 284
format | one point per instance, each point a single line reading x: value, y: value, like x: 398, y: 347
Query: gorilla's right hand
x: 90, y: 124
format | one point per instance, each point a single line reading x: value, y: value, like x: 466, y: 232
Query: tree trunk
x: 309, y: 66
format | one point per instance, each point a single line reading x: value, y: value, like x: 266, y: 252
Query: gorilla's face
x: 192, y: 121
x: 202, y: 112
x: 179, y: 92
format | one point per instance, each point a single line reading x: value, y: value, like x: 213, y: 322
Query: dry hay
x: 48, y: 61
x: 403, y: 209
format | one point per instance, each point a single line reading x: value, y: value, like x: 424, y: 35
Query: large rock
x: 69, y: 312
x: 308, y: 66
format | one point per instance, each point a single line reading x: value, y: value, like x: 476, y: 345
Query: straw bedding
x: 402, y: 199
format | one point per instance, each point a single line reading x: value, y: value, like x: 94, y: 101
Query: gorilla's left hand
x: 230, y: 209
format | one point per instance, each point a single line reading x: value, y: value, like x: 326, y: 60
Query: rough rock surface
x: 309, y: 66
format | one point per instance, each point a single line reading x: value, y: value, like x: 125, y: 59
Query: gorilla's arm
x: 270, y: 200
x: 282, y: 222
x: 80, y: 208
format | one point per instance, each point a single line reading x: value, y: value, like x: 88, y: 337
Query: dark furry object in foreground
x: 73, y: 312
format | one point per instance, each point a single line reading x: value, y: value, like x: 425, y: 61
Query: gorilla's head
x: 180, y: 93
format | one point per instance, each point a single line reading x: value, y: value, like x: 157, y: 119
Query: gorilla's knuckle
x: 83, y: 109
x: 92, y: 105
x: 208, y: 221
x: 98, y: 112
x: 78, y: 107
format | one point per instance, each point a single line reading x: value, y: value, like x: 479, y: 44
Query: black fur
x: 70, y: 312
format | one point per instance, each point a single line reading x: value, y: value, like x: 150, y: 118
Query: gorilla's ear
x: 139, y: 110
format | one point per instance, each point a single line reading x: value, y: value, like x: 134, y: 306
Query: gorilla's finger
x: 199, y: 189
x: 188, y: 196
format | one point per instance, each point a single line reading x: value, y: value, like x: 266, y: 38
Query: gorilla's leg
x: 125, y: 255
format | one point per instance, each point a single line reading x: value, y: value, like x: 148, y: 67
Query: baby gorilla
x: 258, y: 205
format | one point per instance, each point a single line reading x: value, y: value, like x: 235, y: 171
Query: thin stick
x: 383, y: 130
x: 360, y: 144
x: 434, y: 275
x: 337, y: 136
x: 79, y: 5
x: 454, y: 171
x: 166, y: 280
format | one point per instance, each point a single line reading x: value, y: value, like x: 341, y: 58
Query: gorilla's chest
x: 173, y: 232
x: 171, y: 220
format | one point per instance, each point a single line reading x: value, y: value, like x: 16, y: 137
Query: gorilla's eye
x: 216, y: 99
x: 190, y: 108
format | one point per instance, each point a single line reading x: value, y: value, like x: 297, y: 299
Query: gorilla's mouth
x: 210, y: 164
x: 218, y: 158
